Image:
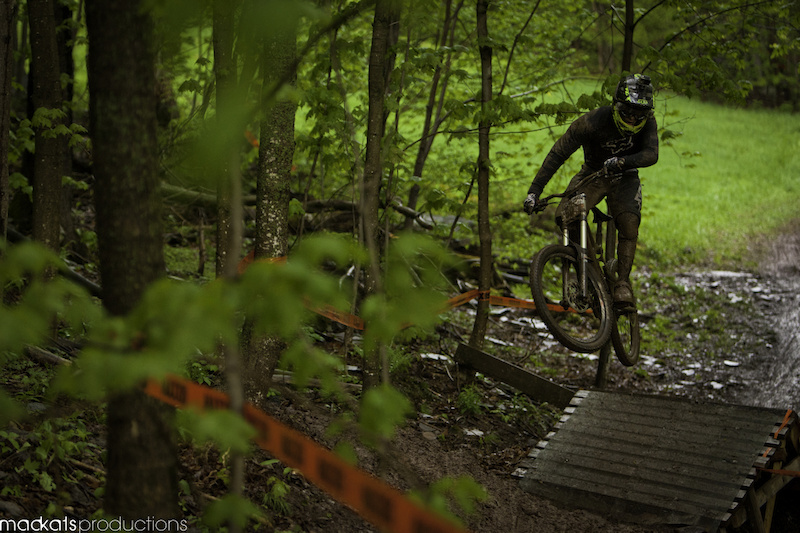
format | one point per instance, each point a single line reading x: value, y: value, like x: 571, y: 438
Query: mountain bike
x: 572, y: 282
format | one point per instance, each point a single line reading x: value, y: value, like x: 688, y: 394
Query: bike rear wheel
x: 625, y: 336
x: 581, y: 323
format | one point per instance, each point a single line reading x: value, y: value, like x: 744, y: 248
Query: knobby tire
x: 625, y: 337
x: 581, y: 330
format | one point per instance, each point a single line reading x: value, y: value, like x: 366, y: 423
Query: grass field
x: 728, y: 178
x: 732, y: 176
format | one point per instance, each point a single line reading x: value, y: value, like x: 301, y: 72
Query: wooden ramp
x: 652, y: 460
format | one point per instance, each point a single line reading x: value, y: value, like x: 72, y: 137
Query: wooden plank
x: 632, y: 489
x: 629, y: 507
x: 669, y: 438
x: 651, y: 428
x: 742, y: 417
x: 535, y: 386
x: 653, y: 460
x: 648, y: 469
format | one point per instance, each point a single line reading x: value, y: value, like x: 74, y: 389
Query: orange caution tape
x: 341, y: 317
x: 250, y: 259
x: 786, y: 419
x: 355, y: 322
x: 461, y: 299
x: 505, y: 301
x: 376, y: 501
x: 511, y: 302
x: 251, y: 138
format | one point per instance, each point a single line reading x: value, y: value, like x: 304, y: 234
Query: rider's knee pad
x: 628, y: 226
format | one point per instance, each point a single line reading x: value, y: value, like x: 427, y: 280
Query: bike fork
x: 583, y: 243
x: 582, y: 257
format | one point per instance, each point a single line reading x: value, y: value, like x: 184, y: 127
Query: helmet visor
x: 632, y: 115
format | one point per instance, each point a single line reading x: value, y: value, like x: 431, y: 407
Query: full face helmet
x: 633, y: 103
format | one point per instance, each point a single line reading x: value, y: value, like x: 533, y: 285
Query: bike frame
x: 575, y: 212
x: 593, y: 262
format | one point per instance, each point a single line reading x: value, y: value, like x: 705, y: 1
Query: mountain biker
x: 620, y: 138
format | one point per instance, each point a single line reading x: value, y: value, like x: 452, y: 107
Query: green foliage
x: 226, y: 429
x: 40, y: 299
x: 50, y: 122
x: 203, y: 372
x: 308, y: 362
x: 176, y: 322
x: 276, y: 491
x: 711, y: 168
x: 464, y: 492
x: 9, y: 408
x: 521, y: 412
x: 400, y: 357
x: 470, y: 401
x: 18, y: 182
x: 412, y: 273
x: 173, y: 322
x: 382, y: 409
x: 230, y: 509
x: 46, y: 451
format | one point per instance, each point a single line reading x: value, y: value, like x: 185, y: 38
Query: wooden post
x: 536, y: 387
x: 601, y: 379
x: 754, y: 512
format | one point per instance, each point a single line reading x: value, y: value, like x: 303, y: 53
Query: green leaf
x: 230, y: 508
x: 382, y: 409
x: 226, y: 429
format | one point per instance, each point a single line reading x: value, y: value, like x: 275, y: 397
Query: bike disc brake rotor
x: 575, y: 300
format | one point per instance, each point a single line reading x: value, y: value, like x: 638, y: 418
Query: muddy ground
x: 710, y: 335
x: 736, y: 342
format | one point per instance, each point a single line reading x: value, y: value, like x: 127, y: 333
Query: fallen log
x: 174, y: 193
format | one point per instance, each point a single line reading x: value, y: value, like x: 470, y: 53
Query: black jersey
x: 601, y: 139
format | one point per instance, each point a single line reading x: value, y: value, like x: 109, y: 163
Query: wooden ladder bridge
x: 655, y: 460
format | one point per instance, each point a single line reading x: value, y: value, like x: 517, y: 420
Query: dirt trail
x: 773, y: 378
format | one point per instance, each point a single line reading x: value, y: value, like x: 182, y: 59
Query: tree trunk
x: 380, y: 61
x: 228, y: 213
x: 433, y: 109
x: 229, y: 229
x: 8, y: 18
x: 275, y: 155
x: 142, y: 454
x: 46, y: 93
x: 65, y: 36
x: 484, y: 228
x: 627, y: 49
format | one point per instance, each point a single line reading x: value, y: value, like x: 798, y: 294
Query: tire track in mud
x: 775, y: 380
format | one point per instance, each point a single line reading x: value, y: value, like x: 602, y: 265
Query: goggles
x: 631, y: 114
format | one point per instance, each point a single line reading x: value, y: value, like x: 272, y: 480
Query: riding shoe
x: 623, y: 295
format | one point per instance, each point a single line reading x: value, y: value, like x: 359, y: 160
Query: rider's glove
x: 530, y: 202
x: 614, y: 164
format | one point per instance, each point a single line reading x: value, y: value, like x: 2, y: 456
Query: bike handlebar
x: 542, y: 204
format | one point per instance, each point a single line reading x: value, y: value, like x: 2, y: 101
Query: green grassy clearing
x: 729, y: 177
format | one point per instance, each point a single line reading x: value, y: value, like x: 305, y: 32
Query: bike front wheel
x: 625, y: 336
x: 581, y: 322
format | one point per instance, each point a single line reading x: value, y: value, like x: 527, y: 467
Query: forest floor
x: 710, y: 336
